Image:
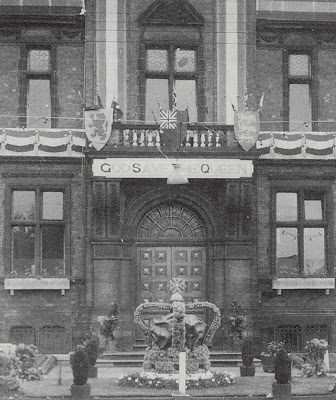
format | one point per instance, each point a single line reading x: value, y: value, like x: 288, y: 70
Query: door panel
x: 161, y: 268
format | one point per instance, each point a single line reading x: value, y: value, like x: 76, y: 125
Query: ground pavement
x: 58, y: 381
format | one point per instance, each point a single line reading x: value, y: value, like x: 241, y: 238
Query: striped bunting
x: 302, y: 144
x: 38, y: 142
x: 320, y: 145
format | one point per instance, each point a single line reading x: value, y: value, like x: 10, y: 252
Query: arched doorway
x: 170, y: 251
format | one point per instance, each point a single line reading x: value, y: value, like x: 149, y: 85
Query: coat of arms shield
x: 98, y: 125
x: 246, y: 128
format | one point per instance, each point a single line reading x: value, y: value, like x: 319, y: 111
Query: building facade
x: 170, y: 193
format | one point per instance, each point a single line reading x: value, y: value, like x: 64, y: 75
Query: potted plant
x: 79, y: 361
x: 247, y: 369
x: 281, y: 389
x: 236, y: 323
x: 314, y: 354
x: 110, y: 324
x: 268, y: 356
x: 92, y: 350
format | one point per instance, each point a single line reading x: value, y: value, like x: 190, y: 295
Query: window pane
x: 52, y: 251
x: 286, y: 207
x: 23, y: 250
x: 299, y: 65
x: 156, y: 91
x: 186, y: 97
x: 23, y: 207
x: 287, y: 261
x: 300, y: 113
x: 39, y: 103
x: 313, y: 206
x: 157, y: 60
x: 39, y: 60
x: 314, y: 263
x: 185, y: 60
x: 52, y: 205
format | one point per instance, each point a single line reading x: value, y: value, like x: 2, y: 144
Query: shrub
x: 247, y: 353
x: 282, y: 367
x: 79, y: 361
x: 92, y: 351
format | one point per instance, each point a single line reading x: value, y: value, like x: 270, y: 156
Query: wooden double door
x: 161, y: 269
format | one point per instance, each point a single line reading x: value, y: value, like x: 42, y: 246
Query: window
x: 301, y: 233
x: 37, y: 233
x: 295, y: 336
x: 300, y: 101
x: 22, y: 334
x: 37, y: 88
x: 171, y: 76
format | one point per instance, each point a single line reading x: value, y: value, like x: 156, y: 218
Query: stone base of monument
x: 281, y: 391
x: 180, y: 396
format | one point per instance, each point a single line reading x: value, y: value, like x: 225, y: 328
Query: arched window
x: 171, y: 221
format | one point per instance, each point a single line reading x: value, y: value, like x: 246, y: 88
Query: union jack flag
x: 168, y: 119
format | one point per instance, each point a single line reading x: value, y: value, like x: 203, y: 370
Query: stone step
x: 135, y: 358
x: 138, y: 363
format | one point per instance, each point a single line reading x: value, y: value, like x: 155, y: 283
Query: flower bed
x: 166, y: 381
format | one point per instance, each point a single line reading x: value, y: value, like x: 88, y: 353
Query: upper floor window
x: 37, y: 233
x: 300, y: 92
x: 37, y: 88
x: 171, y: 80
x: 301, y: 232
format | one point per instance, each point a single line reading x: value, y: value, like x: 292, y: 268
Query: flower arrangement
x: 167, y: 361
x: 314, y: 365
x: 26, y: 355
x: 272, y: 349
x: 110, y: 323
x: 237, y: 321
x: 137, y: 380
x: 9, y: 372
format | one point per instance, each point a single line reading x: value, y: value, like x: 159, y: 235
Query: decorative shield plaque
x: 246, y: 128
x: 98, y: 127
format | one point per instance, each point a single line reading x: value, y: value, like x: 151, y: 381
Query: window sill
x: 13, y: 284
x: 303, y: 283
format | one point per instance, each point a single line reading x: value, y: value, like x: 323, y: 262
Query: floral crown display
x: 178, y: 308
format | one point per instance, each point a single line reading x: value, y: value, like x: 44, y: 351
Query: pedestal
x: 281, y: 391
x: 81, y: 392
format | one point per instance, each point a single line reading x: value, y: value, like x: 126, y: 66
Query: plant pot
x: 81, y: 392
x: 268, y: 363
x: 93, y: 372
x: 247, y: 370
x: 281, y: 391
